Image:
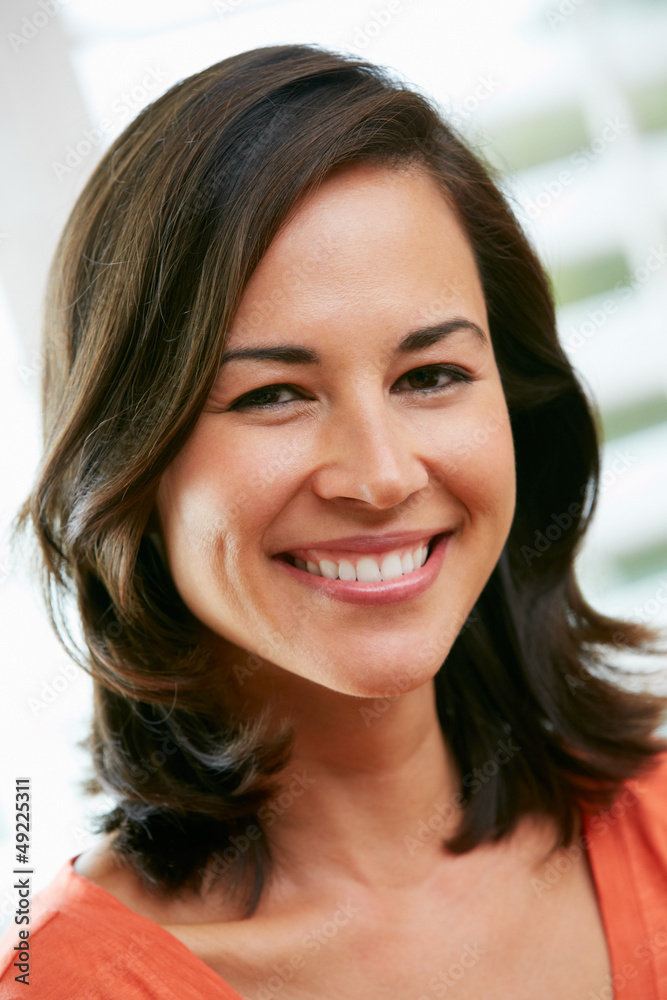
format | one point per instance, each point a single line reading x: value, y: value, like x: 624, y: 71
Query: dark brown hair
x: 147, y: 277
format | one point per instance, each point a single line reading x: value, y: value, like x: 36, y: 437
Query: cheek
x: 477, y: 463
x: 216, y: 493
x: 193, y: 506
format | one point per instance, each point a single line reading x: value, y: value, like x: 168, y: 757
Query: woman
x: 308, y: 427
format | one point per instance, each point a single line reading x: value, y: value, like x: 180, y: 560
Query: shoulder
x: 627, y: 845
x: 86, y: 944
x: 641, y: 803
x: 651, y: 785
x: 638, y: 814
x: 627, y: 848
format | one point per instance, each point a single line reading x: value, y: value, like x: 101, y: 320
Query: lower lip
x: 384, y: 592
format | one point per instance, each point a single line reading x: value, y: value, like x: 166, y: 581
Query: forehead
x: 371, y: 245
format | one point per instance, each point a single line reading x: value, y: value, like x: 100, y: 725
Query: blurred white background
x: 568, y: 97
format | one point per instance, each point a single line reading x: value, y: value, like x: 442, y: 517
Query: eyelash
x: 455, y: 374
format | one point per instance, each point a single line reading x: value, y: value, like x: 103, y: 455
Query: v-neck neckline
x: 616, y: 931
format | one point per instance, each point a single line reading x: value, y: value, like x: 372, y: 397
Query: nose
x: 368, y: 452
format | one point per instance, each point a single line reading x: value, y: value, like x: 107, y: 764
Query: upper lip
x: 371, y: 543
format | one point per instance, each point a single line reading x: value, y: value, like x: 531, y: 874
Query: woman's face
x: 368, y: 406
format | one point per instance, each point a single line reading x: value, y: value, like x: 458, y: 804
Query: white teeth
x: 407, y: 562
x: 346, y: 570
x: 329, y: 569
x: 367, y: 570
x: 391, y: 566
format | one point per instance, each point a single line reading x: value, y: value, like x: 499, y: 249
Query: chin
x: 382, y: 677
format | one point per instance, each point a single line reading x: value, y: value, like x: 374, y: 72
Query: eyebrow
x: 417, y: 340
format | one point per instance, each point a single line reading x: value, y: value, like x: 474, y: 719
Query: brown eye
x: 440, y: 377
x: 264, y: 398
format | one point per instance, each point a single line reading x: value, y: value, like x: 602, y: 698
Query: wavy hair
x: 150, y: 269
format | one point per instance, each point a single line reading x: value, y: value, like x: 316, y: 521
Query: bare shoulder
x: 107, y: 868
x: 365, y: 941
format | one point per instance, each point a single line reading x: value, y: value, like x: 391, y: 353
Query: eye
x: 264, y: 398
x: 268, y: 397
x: 445, y: 375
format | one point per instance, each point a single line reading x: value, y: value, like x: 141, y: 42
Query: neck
x: 369, y: 791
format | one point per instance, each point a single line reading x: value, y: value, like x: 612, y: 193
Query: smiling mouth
x: 367, y: 568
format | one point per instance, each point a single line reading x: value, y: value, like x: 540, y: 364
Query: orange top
x: 84, y: 943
